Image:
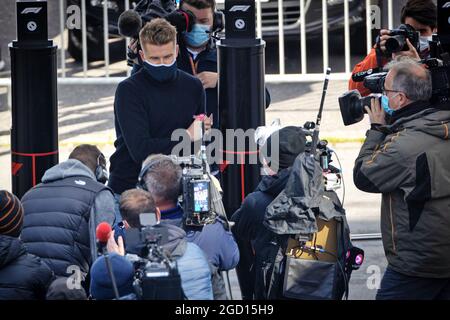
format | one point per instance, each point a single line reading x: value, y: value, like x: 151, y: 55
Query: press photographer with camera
x: 151, y: 104
x: 191, y: 262
x: 411, y: 39
x: 406, y: 160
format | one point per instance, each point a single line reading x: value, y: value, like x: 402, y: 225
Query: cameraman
x: 163, y: 181
x: 419, y: 14
x: 151, y: 104
x: 406, y: 160
x: 192, y: 264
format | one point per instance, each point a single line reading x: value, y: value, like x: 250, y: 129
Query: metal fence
x: 372, y: 13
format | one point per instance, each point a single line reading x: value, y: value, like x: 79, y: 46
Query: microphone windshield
x: 103, y: 232
x: 130, y: 23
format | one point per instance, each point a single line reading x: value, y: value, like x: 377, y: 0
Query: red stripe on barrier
x: 34, y: 154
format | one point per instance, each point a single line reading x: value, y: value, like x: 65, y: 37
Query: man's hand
x: 411, y: 53
x: 195, y: 128
x: 208, y: 79
x: 375, y: 112
x: 384, y: 36
x: 114, y: 247
x: 132, y: 45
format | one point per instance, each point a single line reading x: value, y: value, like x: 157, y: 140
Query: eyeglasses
x: 388, y: 90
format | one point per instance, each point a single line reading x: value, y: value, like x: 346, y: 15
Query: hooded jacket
x: 22, y: 276
x: 62, y: 213
x: 249, y: 226
x: 192, y: 264
x: 408, y: 163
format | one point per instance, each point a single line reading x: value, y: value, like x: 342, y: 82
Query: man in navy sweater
x: 151, y: 104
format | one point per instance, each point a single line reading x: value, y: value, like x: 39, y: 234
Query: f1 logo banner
x: 240, y: 20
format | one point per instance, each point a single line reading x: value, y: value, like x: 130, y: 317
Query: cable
x: 229, y: 284
x: 342, y: 176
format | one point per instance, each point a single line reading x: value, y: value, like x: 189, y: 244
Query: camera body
x: 196, y: 192
x: 397, y: 40
x: 156, y: 274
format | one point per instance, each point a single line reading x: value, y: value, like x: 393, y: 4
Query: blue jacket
x: 217, y: 243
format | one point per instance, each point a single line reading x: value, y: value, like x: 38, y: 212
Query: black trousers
x: 397, y: 286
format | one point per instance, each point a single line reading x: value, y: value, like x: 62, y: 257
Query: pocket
x: 309, y: 279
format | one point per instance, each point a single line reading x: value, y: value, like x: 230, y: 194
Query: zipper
x: 392, y: 224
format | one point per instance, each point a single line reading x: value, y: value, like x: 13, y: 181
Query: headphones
x: 141, y: 183
x: 101, y: 175
x: 218, y: 19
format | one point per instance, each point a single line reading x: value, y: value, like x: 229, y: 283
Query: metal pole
x: 84, y: 36
x: 106, y: 37
x: 281, y: 36
x: 127, y: 40
x: 63, y: 46
x: 347, y: 37
x: 391, y: 14
x: 303, y: 37
x: 368, y: 26
x: 325, y: 35
x: 258, y: 19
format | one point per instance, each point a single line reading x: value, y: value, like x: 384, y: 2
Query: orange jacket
x: 370, y: 62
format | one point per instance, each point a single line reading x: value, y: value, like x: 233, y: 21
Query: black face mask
x: 161, y: 72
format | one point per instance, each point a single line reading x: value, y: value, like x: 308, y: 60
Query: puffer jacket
x: 22, y: 276
x: 408, y: 163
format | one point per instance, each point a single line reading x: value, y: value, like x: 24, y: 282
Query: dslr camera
x: 397, y: 40
x: 156, y: 274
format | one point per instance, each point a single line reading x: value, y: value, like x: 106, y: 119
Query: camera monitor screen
x: 201, y: 196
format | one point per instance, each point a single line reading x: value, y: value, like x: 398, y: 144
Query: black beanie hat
x: 292, y: 142
x: 11, y: 214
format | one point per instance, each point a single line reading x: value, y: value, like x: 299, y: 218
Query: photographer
x: 192, y: 265
x: 406, y: 160
x: 421, y: 15
x: 151, y: 104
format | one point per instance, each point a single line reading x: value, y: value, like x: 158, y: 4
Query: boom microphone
x: 130, y: 24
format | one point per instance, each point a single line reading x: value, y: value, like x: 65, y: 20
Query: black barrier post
x: 241, y: 100
x: 34, y: 132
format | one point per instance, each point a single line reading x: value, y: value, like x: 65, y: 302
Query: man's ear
x: 178, y: 51
x: 125, y: 223
x: 158, y: 215
x: 141, y: 53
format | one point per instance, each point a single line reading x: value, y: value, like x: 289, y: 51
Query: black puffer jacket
x: 22, y: 276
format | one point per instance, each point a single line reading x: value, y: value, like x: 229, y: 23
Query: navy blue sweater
x: 146, y: 113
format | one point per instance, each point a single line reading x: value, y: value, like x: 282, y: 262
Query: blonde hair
x: 157, y: 32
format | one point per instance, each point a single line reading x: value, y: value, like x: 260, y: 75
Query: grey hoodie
x: 103, y: 208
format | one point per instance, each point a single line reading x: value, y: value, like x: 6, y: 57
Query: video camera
x: 156, y: 276
x: 196, y: 192
x: 131, y: 21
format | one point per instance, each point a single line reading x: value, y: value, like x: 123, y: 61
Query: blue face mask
x: 198, y: 36
x: 385, y: 105
x: 161, y: 72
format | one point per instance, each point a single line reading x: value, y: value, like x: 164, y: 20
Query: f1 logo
x: 34, y: 10
x: 446, y: 5
x: 242, y: 8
